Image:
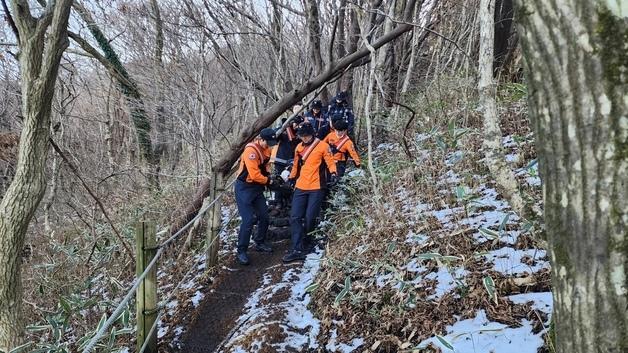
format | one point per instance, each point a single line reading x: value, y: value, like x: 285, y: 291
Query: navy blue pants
x: 341, y: 167
x: 306, y: 206
x: 251, y: 202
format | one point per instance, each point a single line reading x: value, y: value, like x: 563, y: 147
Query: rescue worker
x: 318, y: 119
x: 341, y: 146
x: 253, y: 177
x: 312, y: 158
x: 340, y: 107
x: 282, y: 160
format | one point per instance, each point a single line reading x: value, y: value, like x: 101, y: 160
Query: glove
x: 333, y: 149
x: 292, y: 183
x: 333, y: 179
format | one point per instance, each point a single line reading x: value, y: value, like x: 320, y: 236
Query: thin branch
x: 91, y: 193
x: 291, y: 9
x: 9, y: 18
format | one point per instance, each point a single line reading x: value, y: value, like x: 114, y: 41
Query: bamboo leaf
x: 491, y: 234
x: 311, y: 288
x: 20, y: 349
x: 489, y: 285
x: 444, y: 342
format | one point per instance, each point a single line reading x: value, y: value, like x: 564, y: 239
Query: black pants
x: 306, y: 207
x: 251, y: 202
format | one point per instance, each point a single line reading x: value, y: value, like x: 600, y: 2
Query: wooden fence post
x: 214, y: 219
x: 146, y: 295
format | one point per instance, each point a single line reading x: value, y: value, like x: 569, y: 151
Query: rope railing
x: 176, y: 288
x: 136, y: 283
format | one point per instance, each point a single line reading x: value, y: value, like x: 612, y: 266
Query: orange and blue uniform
x: 343, y: 148
x: 252, y: 177
x: 309, y: 170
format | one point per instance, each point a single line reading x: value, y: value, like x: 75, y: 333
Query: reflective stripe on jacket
x: 344, y: 145
x: 254, y: 164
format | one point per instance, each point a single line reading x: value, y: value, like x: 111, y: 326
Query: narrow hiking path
x: 262, y: 306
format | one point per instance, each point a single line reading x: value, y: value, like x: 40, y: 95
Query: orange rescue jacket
x: 345, y: 147
x: 309, y: 165
x: 254, y: 164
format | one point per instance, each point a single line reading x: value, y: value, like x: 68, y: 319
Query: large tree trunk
x: 38, y: 74
x: 577, y: 64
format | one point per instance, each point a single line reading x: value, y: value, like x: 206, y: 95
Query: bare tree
x: 578, y: 106
x: 39, y: 69
x: 495, y: 159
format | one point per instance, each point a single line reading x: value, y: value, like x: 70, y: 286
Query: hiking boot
x: 263, y: 248
x: 294, y: 256
x: 243, y: 258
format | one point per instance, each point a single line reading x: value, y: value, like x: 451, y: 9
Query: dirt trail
x: 218, y: 313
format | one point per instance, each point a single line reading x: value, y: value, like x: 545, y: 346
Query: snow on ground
x: 279, y: 306
x: 480, y: 335
x: 488, y: 218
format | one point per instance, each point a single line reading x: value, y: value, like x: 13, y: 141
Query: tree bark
x: 504, y: 176
x: 314, y: 34
x: 577, y: 64
x: 38, y: 74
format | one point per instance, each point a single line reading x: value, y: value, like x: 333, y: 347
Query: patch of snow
x: 533, y: 181
x: 382, y: 280
x: 387, y: 146
x: 444, y: 215
x: 196, y: 298
x: 422, y: 137
x: 509, y: 141
x: 454, y: 157
x: 451, y: 177
x: 297, y: 322
x: 124, y: 350
x: 415, y: 266
x: 512, y: 158
x: 162, y: 331
x: 543, y: 301
x: 508, y: 260
x: 356, y: 173
x: 416, y: 239
x: 481, y: 335
x: 333, y: 346
x: 446, y: 280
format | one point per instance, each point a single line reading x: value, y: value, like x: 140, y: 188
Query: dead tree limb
x: 288, y: 100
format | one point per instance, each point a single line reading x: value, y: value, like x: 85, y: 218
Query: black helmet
x: 268, y: 135
x: 340, y: 125
x: 305, y: 130
x: 317, y: 104
x: 341, y: 96
x: 337, y: 116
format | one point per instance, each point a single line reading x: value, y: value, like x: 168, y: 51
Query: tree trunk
x: 503, y: 28
x: 38, y: 74
x: 579, y: 108
x: 504, y: 177
x: 111, y: 61
x: 314, y: 33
